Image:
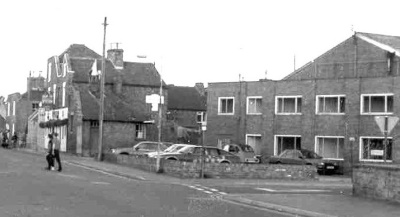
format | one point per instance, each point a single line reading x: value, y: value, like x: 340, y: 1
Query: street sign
x: 386, y: 123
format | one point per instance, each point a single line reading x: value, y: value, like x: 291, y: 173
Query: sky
x: 190, y: 41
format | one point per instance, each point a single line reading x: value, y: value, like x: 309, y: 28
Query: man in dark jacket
x: 57, y: 144
x: 50, y: 156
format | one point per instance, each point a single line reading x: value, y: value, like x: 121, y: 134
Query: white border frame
x: 288, y: 96
x: 276, y: 141
x: 372, y: 137
x: 247, y: 104
x: 219, y: 105
x: 337, y: 137
x: 375, y: 94
x: 317, y: 112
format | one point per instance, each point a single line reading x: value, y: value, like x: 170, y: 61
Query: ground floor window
x: 283, y: 142
x: 222, y: 142
x: 140, y: 131
x: 254, y: 140
x: 330, y: 147
x: 372, y: 148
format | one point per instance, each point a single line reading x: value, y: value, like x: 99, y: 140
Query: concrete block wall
x: 377, y: 181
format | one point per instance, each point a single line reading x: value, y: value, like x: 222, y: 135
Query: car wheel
x: 225, y: 162
x: 171, y: 159
x: 278, y: 162
x: 123, y: 153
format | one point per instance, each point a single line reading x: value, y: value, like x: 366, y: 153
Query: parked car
x: 170, y: 149
x: 245, y: 152
x: 304, y: 157
x: 194, y: 153
x: 141, y: 148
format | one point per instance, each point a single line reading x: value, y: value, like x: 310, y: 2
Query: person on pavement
x: 57, y: 144
x: 50, y: 156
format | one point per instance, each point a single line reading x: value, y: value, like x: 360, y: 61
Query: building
x: 329, y: 105
x: 131, y: 100
x: 186, y: 113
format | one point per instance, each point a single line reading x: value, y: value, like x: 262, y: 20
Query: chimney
x: 200, y: 88
x: 116, y: 56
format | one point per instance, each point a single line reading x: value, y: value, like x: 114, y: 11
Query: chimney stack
x: 116, y: 56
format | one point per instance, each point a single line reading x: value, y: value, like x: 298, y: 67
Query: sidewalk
x: 313, y: 205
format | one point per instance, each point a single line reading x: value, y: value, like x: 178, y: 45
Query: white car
x: 171, y: 149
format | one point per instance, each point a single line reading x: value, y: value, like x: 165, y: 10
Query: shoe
x: 52, y: 168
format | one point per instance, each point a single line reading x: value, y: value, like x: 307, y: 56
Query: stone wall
x: 377, y: 181
x: 214, y: 170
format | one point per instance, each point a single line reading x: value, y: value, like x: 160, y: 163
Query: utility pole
x: 103, y: 77
x: 159, y: 126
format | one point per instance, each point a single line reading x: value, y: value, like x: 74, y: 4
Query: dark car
x: 141, y: 148
x: 193, y: 153
x: 304, y: 157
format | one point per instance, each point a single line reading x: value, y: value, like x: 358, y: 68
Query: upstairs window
x: 288, y: 104
x: 225, y: 105
x: 35, y: 106
x: 254, y: 105
x: 8, y: 108
x: 331, y: 104
x: 376, y: 103
x: 13, y: 108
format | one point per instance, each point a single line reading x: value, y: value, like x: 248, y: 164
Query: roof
x: 115, y: 107
x: 385, y: 42
x: 80, y: 50
x: 185, y: 98
x: 133, y: 73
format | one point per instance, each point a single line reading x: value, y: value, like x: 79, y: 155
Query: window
x: 225, y: 105
x: 13, y: 129
x: 63, y: 94
x: 330, y: 104
x: 35, y: 106
x: 330, y: 147
x: 376, y: 103
x: 223, y: 142
x: 49, y: 73
x: 13, y: 106
x: 372, y: 149
x: 254, y: 105
x: 283, y: 142
x: 94, y: 124
x: 288, y: 105
x: 201, y: 117
x: 140, y: 131
x: 8, y: 109
x: 254, y: 141
x: 54, y: 93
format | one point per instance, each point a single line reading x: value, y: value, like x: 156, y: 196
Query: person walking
x: 14, y: 140
x: 50, y: 156
x: 57, y: 144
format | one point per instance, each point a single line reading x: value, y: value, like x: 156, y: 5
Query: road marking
x: 222, y: 193
x: 293, y: 190
x: 208, y: 192
x: 100, y: 183
x: 107, y: 173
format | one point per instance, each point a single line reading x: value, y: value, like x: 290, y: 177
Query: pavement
x: 300, y: 198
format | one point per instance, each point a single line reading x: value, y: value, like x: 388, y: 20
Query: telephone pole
x: 103, y: 77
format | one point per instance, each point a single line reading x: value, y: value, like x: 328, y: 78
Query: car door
x: 213, y: 154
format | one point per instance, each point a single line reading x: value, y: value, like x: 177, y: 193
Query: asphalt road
x: 26, y: 189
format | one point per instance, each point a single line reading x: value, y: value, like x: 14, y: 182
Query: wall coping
x: 390, y: 167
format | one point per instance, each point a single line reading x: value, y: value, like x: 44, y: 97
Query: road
x: 26, y: 189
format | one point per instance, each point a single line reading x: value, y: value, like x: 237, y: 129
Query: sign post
x: 386, y: 125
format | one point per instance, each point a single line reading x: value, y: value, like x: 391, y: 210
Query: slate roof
x: 80, y: 50
x: 115, y: 108
x: 185, y: 98
x: 386, y: 42
x: 132, y: 73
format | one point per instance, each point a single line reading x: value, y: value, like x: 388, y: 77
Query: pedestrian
x: 50, y: 156
x: 14, y: 139
x: 57, y: 144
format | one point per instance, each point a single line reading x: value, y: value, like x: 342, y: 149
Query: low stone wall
x: 215, y: 170
x: 377, y: 181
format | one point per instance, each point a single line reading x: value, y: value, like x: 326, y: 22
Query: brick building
x: 130, y: 113
x: 186, y: 112
x: 329, y: 105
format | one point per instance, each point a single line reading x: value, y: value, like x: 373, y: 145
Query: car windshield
x: 186, y: 149
x: 173, y: 148
x: 248, y: 148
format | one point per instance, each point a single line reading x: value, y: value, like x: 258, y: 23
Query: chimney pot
x: 116, y: 56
